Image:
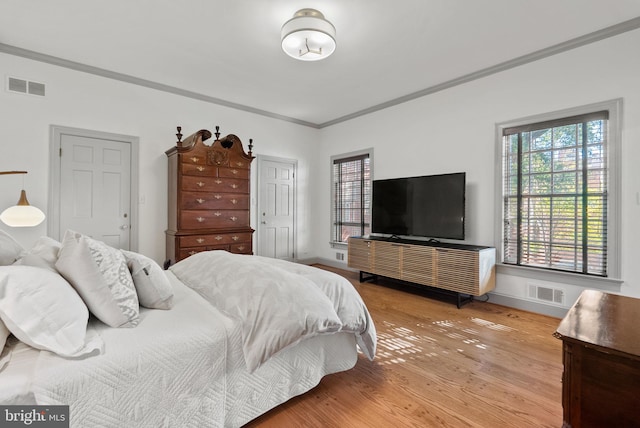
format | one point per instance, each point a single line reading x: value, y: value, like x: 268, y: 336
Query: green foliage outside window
x: 555, y: 195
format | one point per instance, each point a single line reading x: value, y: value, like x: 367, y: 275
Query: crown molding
x: 605, y: 33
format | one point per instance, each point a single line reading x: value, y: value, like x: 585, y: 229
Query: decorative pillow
x: 42, y: 310
x: 10, y: 250
x: 100, y: 275
x: 44, y: 254
x: 152, y: 285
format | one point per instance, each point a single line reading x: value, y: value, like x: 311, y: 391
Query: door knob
x: 124, y: 227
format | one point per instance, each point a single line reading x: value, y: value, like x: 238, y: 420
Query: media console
x: 466, y: 270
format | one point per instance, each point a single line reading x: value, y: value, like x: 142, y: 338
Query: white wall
x: 454, y: 130
x: 81, y: 100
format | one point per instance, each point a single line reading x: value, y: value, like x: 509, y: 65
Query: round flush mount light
x: 308, y: 36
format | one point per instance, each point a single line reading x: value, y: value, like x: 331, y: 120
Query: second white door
x: 276, y: 210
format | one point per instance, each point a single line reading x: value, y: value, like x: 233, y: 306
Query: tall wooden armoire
x: 209, y: 201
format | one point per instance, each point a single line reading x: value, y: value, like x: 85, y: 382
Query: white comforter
x: 185, y: 366
x: 278, y: 303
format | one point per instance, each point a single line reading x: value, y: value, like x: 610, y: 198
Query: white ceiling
x: 229, y: 51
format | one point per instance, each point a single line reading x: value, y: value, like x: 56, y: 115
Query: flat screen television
x: 431, y: 206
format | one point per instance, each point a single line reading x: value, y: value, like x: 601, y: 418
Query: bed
x: 215, y: 353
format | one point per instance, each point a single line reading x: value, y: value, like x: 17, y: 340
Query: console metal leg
x: 461, y: 301
x: 365, y: 276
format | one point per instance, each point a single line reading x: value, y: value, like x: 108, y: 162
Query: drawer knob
x: 200, y: 240
x: 217, y: 196
x: 191, y: 253
x: 234, y: 186
x: 234, y: 171
x: 235, y: 238
x: 218, y: 238
x: 241, y: 248
x: 200, y: 219
x: 200, y: 200
x: 200, y: 168
x: 218, y: 181
x: 234, y: 201
x: 234, y: 218
x: 200, y: 184
x: 217, y: 213
x: 239, y: 163
x: 194, y: 159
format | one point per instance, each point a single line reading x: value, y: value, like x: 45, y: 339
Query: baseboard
x: 527, y: 305
x: 327, y: 262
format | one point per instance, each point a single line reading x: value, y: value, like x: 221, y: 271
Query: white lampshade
x: 308, y: 36
x: 22, y: 214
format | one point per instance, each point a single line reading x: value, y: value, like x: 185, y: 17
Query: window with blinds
x: 555, y: 194
x: 351, y: 204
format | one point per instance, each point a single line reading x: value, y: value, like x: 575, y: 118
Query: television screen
x: 430, y: 206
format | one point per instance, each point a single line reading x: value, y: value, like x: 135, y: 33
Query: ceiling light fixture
x: 22, y: 214
x: 308, y: 36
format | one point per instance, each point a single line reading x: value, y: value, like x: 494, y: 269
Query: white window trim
x: 369, y: 151
x: 614, y: 214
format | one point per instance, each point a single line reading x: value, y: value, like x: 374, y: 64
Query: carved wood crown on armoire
x: 209, y: 200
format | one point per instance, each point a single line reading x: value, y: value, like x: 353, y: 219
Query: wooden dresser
x: 601, y: 356
x: 209, y: 202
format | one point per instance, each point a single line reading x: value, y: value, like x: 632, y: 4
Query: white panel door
x: 276, y: 212
x: 95, y: 183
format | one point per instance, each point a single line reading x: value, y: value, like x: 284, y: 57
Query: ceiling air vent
x: 25, y: 87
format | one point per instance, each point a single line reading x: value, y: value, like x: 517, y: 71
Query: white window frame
x: 369, y: 152
x: 614, y: 217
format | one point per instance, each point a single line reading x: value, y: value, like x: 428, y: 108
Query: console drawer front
x: 457, y: 270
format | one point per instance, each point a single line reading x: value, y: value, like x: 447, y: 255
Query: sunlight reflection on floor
x: 397, y: 344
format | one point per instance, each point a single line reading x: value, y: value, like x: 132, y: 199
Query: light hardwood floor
x: 484, y: 365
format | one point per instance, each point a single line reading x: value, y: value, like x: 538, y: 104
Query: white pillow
x: 153, y: 286
x: 10, y: 250
x: 42, y: 310
x: 99, y: 273
x: 44, y: 254
x: 4, y: 334
x: 4, y: 356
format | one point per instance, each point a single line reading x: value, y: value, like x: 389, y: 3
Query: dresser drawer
x: 241, y: 248
x: 186, y: 252
x: 239, y: 163
x: 233, y: 173
x: 214, y: 219
x: 213, y: 200
x: 199, y: 159
x: 215, y: 184
x: 214, y: 239
x: 199, y: 170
